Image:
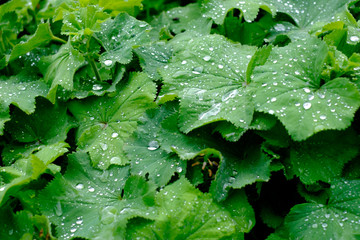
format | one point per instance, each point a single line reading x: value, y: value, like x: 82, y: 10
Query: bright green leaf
x: 118, y: 36
x: 87, y: 202
x: 208, y: 74
x: 59, y: 69
x: 42, y: 36
x: 290, y: 87
x: 107, y: 122
x: 197, y: 218
x: 145, y: 153
x: 339, y: 219
x: 250, y: 8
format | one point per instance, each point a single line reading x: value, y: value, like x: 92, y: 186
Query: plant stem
x: 58, y: 39
x: 93, y: 66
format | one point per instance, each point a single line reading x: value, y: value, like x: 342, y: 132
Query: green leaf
x: 339, y: 219
x: 181, y: 19
x: 240, y: 210
x: 121, y: 6
x: 237, y: 172
x: 59, y: 69
x: 145, y: 153
x: 197, y: 218
x: 107, y: 122
x: 48, y: 124
x: 87, y: 202
x: 289, y: 86
x: 42, y: 36
x: 119, y: 36
x: 152, y: 57
x: 19, y: 225
x: 322, y: 157
x: 210, y: 81
x: 249, y: 8
x: 21, y: 91
x: 24, y: 170
x: 307, y: 14
x: 83, y: 21
x: 261, y: 122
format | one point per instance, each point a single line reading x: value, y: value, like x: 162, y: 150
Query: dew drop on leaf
x: 104, y: 146
x: 97, y: 87
x: 108, y: 62
x: 153, y: 145
x: 207, y: 58
x: 354, y: 38
x: 58, y: 209
x: 307, y: 105
x: 80, y: 186
x: 114, y: 135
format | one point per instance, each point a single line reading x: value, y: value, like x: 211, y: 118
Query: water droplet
x: 73, y: 230
x: 108, y: 62
x: 229, y: 95
x: 91, y: 189
x: 80, y: 186
x: 179, y: 169
x: 322, y: 117
x: 79, y: 221
x: 2, y: 189
x: 114, y: 135
x: 354, y: 38
x: 153, y: 145
x: 273, y: 99
x: 327, y: 215
x: 324, y: 225
x: 314, y: 225
x: 271, y: 111
x: 307, y: 105
x: 97, y: 87
x: 215, y: 109
x: 221, y: 66
x: 115, y: 160
x: 307, y: 90
x: 207, y: 58
x: 104, y: 146
x: 58, y: 209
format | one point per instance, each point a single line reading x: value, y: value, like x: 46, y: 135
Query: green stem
x: 93, y: 66
x: 58, y: 39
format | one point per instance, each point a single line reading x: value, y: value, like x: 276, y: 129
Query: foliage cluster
x: 155, y: 119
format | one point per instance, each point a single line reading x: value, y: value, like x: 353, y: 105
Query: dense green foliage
x: 155, y: 119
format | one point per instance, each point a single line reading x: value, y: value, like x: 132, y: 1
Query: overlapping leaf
x: 250, y: 8
x: 86, y: 202
x: 198, y: 217
x: 24, y: 170
x: 291, y: 88
x: 322, y: 157
x: 106, y: 123
x: 146, y: 154
x: 21, y: 91
x: 59, y: 69
x: 209, y: 75
x: 118, y: 36
x: 339, y: 219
